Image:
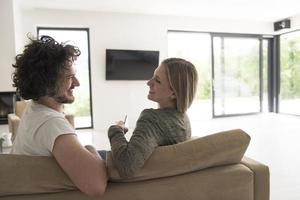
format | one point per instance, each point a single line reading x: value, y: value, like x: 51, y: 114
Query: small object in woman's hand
x: 122, y: 124
x: 125, y: 119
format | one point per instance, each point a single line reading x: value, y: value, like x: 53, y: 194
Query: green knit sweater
x: 155, y: 127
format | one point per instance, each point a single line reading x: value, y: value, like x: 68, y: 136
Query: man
x: 45, y: 73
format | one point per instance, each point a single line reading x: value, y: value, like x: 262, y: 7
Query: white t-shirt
x: 38, y: 129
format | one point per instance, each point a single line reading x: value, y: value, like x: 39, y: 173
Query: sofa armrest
x: 13, y: 124
x: 261, y: 178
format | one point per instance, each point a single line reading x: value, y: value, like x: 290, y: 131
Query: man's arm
x: 86, y: 169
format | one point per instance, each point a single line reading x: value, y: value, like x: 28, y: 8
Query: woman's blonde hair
x: 183, y: 80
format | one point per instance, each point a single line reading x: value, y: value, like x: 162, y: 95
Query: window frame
x: 237, y: 35
x: 277, y: 71
x: 89, y: 63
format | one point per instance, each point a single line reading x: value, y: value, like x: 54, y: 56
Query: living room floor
x: 274, y: 142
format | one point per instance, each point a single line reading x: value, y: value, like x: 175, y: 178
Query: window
x: 82, y: 106
x: 196, y: 48
x: 266, y: 74
x: 236, y: 75
x: 289, y: 95
x: 232, y: 62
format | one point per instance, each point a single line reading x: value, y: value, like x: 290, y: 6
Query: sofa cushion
x: 222, y: 148
x: 21, y: 174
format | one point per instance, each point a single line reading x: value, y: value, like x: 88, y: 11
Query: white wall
x: 7, y: 41
x: 295, y: 22
x: 113, y: 99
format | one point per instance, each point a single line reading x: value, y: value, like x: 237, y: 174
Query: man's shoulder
x: 43, y: 112
x: 39, y: 115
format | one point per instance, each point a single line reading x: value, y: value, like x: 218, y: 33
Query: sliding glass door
x: 237, y: 81
x: 230, y: 69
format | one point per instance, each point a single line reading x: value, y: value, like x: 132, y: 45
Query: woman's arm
x: 84, y: 167
x: 130, y: 156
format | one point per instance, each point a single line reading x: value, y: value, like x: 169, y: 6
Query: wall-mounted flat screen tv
x: 130, y: 64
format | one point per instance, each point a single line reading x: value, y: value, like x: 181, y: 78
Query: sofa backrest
x: 222, y: 148
x: 22, y: 174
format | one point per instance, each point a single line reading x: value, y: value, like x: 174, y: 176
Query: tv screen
x: 130, y: 64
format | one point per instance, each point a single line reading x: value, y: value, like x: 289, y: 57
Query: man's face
x: 68, y: 82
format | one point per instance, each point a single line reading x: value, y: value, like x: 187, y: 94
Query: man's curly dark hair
x: 38, y: 69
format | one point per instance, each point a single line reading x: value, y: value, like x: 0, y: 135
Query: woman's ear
x: 173, y: 96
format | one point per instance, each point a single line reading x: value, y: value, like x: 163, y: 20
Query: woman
x: 173, y: 87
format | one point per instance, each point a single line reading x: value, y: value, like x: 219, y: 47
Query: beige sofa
x: 206, y: 168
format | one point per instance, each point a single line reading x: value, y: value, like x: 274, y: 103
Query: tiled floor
x: 275, y: 142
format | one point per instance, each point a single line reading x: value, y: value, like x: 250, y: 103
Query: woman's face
x: 160, y: 90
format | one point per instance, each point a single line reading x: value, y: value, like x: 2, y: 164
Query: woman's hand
x: 121, y: 124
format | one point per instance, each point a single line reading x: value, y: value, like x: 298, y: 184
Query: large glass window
x: 82, y: 106
x: 289, y: 95
x: 236, y: 75
x: 195, y: 47
x: 230, y: 68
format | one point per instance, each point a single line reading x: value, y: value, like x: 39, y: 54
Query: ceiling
x: 250, y: 10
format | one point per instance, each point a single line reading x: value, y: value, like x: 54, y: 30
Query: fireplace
x: 7, y: 105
